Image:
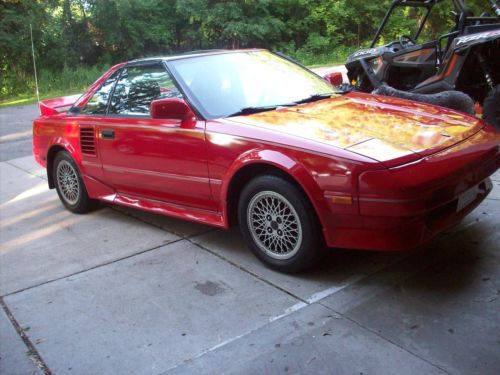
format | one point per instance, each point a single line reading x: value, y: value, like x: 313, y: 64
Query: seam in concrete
x: 289, y: 311
x: 315, y: 298
x: 302, y: 302
x: 350, y: 281
x: 386, y: 339
x: 247, y: 271
x: 93, y: 267
x: 213, y: 348
x: 24, y: 170
x: 292, y: 309
x: 298, y: 306
x: 32, y: 353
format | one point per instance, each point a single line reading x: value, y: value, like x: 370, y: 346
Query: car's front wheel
x: 279, y: 224
x: 69, y: 184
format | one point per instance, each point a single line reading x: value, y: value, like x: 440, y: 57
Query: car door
x: 152, y: 158
x: 88, y: 118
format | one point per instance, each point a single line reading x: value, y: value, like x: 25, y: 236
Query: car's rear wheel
x: 69, y: 184
x: 279, y: 224
x: 491, y: 108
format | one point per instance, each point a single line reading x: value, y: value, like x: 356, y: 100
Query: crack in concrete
x: 24, y: 170
x: 93, y: 267
x: 32, y: 353
x: 378, y: 334
x: 246, y: 271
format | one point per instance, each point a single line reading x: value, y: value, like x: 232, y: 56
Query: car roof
x: 190, y: 54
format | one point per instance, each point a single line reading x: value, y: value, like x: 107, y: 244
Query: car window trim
x: 129, y: 65
x: 122, y: 69
x: 160, y: 63
x: 119, y: 71
x: 187, y: 98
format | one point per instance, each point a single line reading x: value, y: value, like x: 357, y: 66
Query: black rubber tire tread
x: 84, y: 203
x: 312, y: 238
x: 491, y: 108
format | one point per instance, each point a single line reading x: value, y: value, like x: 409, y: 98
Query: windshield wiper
x: 314, y: 98
x: 250, y: 110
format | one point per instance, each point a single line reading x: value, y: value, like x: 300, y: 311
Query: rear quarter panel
x: 50, y: 131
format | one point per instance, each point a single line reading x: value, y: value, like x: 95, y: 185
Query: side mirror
x: 334, y: 78
x: 173, y: 109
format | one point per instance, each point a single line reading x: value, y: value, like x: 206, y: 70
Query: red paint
x: 478, y: 108
x: 335, y: 78
x: 173, y: 108
x: 54, y: 106
x: 451, y: 66
x: 402, y: 164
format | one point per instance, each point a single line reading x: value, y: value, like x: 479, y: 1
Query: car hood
x: 383, y: 128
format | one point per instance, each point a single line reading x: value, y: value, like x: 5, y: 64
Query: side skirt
x: 169, y: 209
x: 101, y: 191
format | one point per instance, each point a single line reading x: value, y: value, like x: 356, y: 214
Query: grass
x: 74, y: 81
x: 333, y: 63
x: 31, y: 98
x: 51, y: 85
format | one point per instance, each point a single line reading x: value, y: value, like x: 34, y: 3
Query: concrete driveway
x: 119, y: 291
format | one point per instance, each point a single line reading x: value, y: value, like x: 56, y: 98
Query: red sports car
x: 249, y: 137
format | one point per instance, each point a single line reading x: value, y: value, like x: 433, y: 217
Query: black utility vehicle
x: 466, y: 59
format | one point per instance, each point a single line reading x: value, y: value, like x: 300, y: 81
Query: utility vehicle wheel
x: 69, y: 184
x: 491, y: 108
x: 279, y: 224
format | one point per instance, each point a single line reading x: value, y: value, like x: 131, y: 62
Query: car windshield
x: 226, y: 84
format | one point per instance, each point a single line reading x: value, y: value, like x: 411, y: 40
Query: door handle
x: 107, y: 134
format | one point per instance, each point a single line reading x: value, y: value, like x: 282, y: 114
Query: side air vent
x: 87, y: 141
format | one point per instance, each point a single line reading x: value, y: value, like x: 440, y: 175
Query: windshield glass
x: 223, y: 84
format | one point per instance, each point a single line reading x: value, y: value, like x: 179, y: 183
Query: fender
x: 277, y: 159
x: 69, y: 146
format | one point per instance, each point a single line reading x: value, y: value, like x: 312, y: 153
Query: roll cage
x: 463, y: 17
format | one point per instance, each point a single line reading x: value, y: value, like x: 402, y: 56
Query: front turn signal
x: 341, y: 200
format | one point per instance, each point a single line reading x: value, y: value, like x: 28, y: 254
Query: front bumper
x: 404, y: 207
x: 405, y: 232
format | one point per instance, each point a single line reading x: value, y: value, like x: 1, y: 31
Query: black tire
x: 491, y: 108
x: 70, y: 186
x: 286, y: 251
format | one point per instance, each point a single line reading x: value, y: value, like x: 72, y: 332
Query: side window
x: 98, y: 103
x: 138, y: 86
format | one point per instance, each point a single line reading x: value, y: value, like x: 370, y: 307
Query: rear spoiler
x: 57, y: 105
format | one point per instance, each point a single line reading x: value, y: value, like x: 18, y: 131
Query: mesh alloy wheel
x: 67, y: 181
x: 274, y: 225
